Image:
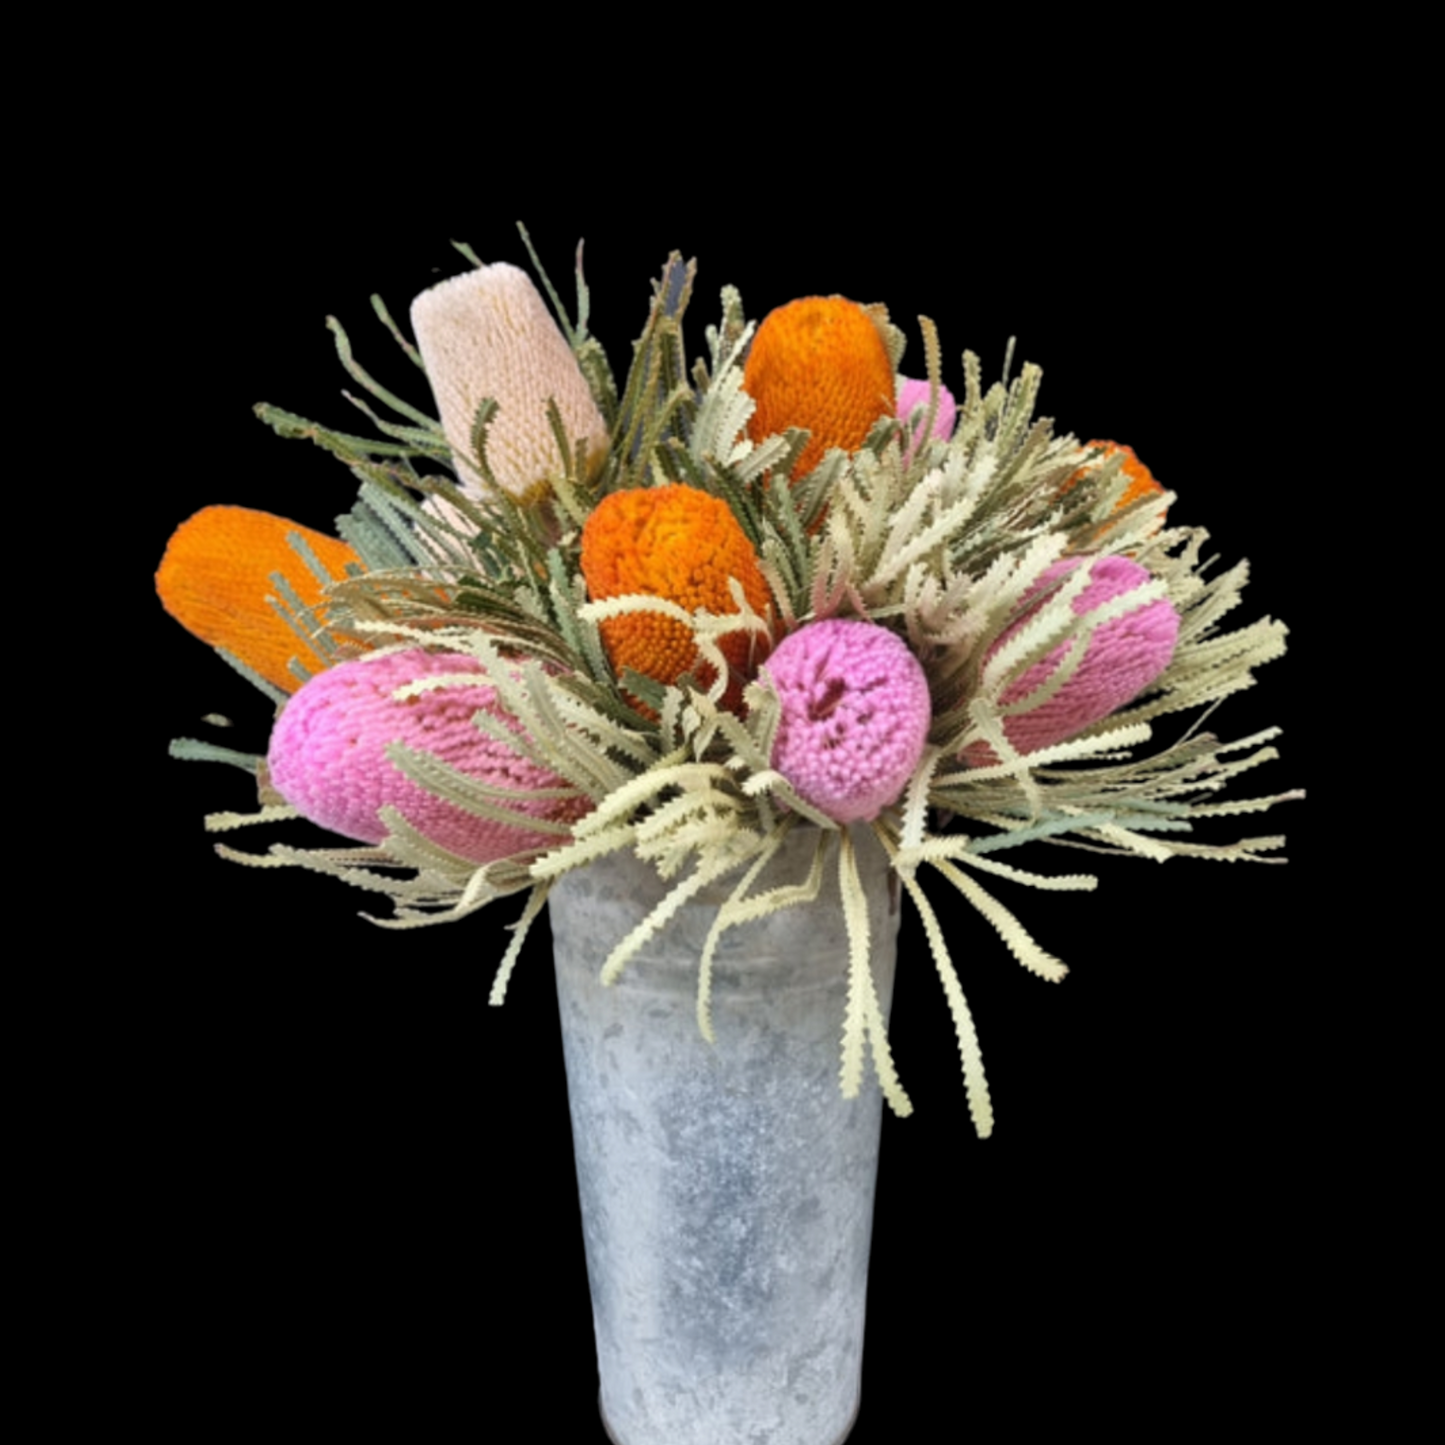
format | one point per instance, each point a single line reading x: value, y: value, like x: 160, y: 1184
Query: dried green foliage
x: 944, y: 549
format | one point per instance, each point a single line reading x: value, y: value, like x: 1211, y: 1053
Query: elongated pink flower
x: 855, y: 716
x: 914, y: 394
x: 328, y: 756
x: 1124, y: 656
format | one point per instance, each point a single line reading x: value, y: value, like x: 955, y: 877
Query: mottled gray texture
x: 727, y: 1190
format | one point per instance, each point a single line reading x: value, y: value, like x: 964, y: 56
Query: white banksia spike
x: 488, y: 333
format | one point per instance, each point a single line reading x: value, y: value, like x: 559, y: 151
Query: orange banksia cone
x: 681, y: 544
x: 1141, y: 479
x: 818, y: 363
x: 216, y: 575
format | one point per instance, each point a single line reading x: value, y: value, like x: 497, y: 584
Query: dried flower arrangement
x: 690, y: 613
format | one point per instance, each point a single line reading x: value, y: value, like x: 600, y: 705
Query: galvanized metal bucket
x: 726, y: 1189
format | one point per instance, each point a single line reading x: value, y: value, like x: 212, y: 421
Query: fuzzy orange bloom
x: 818, y: 363
x: 216, y: 575
x: 681, y: 544
x: 1141, y: 479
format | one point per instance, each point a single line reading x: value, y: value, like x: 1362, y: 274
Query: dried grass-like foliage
x: 947, y: 548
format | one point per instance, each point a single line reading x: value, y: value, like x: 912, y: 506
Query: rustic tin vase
x: 726, y: 1189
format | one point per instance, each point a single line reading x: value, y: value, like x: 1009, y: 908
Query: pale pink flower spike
x: 1123, y: 657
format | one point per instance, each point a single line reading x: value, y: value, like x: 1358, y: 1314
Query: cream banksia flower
x: 855, y: 716
x: 488, y: 333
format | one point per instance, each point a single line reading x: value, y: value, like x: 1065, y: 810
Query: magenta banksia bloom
x: 855, y: 716
x: 914, y: 394
x: 328, y: 756
x: 1124, y: 656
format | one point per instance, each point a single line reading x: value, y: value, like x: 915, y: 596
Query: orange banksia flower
x: 1141, y: 479
x: 681, y: 544
x: 216, y: 575
x: 818, y: 363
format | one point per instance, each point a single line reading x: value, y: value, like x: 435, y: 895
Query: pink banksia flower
x: 1123, y: 657
x: 328, y: 756
x: 914, y: 394
x: 855, y: 716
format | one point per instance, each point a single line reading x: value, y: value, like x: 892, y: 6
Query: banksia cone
x: 681, y: 544
x: 1141, y: 479
x: 914, y: 394
x: 488, y: 333
x: 855, y: 716
x: 1124, y: 656
x: 216, y: 575
x: 328, y: 756
x: 818, y: 363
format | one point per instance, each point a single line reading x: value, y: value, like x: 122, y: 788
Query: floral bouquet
x: 686, y: 614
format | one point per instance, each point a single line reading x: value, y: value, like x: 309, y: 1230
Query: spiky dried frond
x: 977, y: 550
x: 863, y: 1023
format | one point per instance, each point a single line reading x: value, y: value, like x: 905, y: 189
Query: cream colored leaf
x: 536, y: 901
x: 1017, y: 938
x: 863, y: 1019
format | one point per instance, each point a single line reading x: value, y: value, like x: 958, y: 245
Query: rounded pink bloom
x: 913, y: 394
x: 1124, y: 656
x: 855, y: 716
x: 328, y: 756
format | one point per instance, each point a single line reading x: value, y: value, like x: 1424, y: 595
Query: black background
x: 349, y: 1182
